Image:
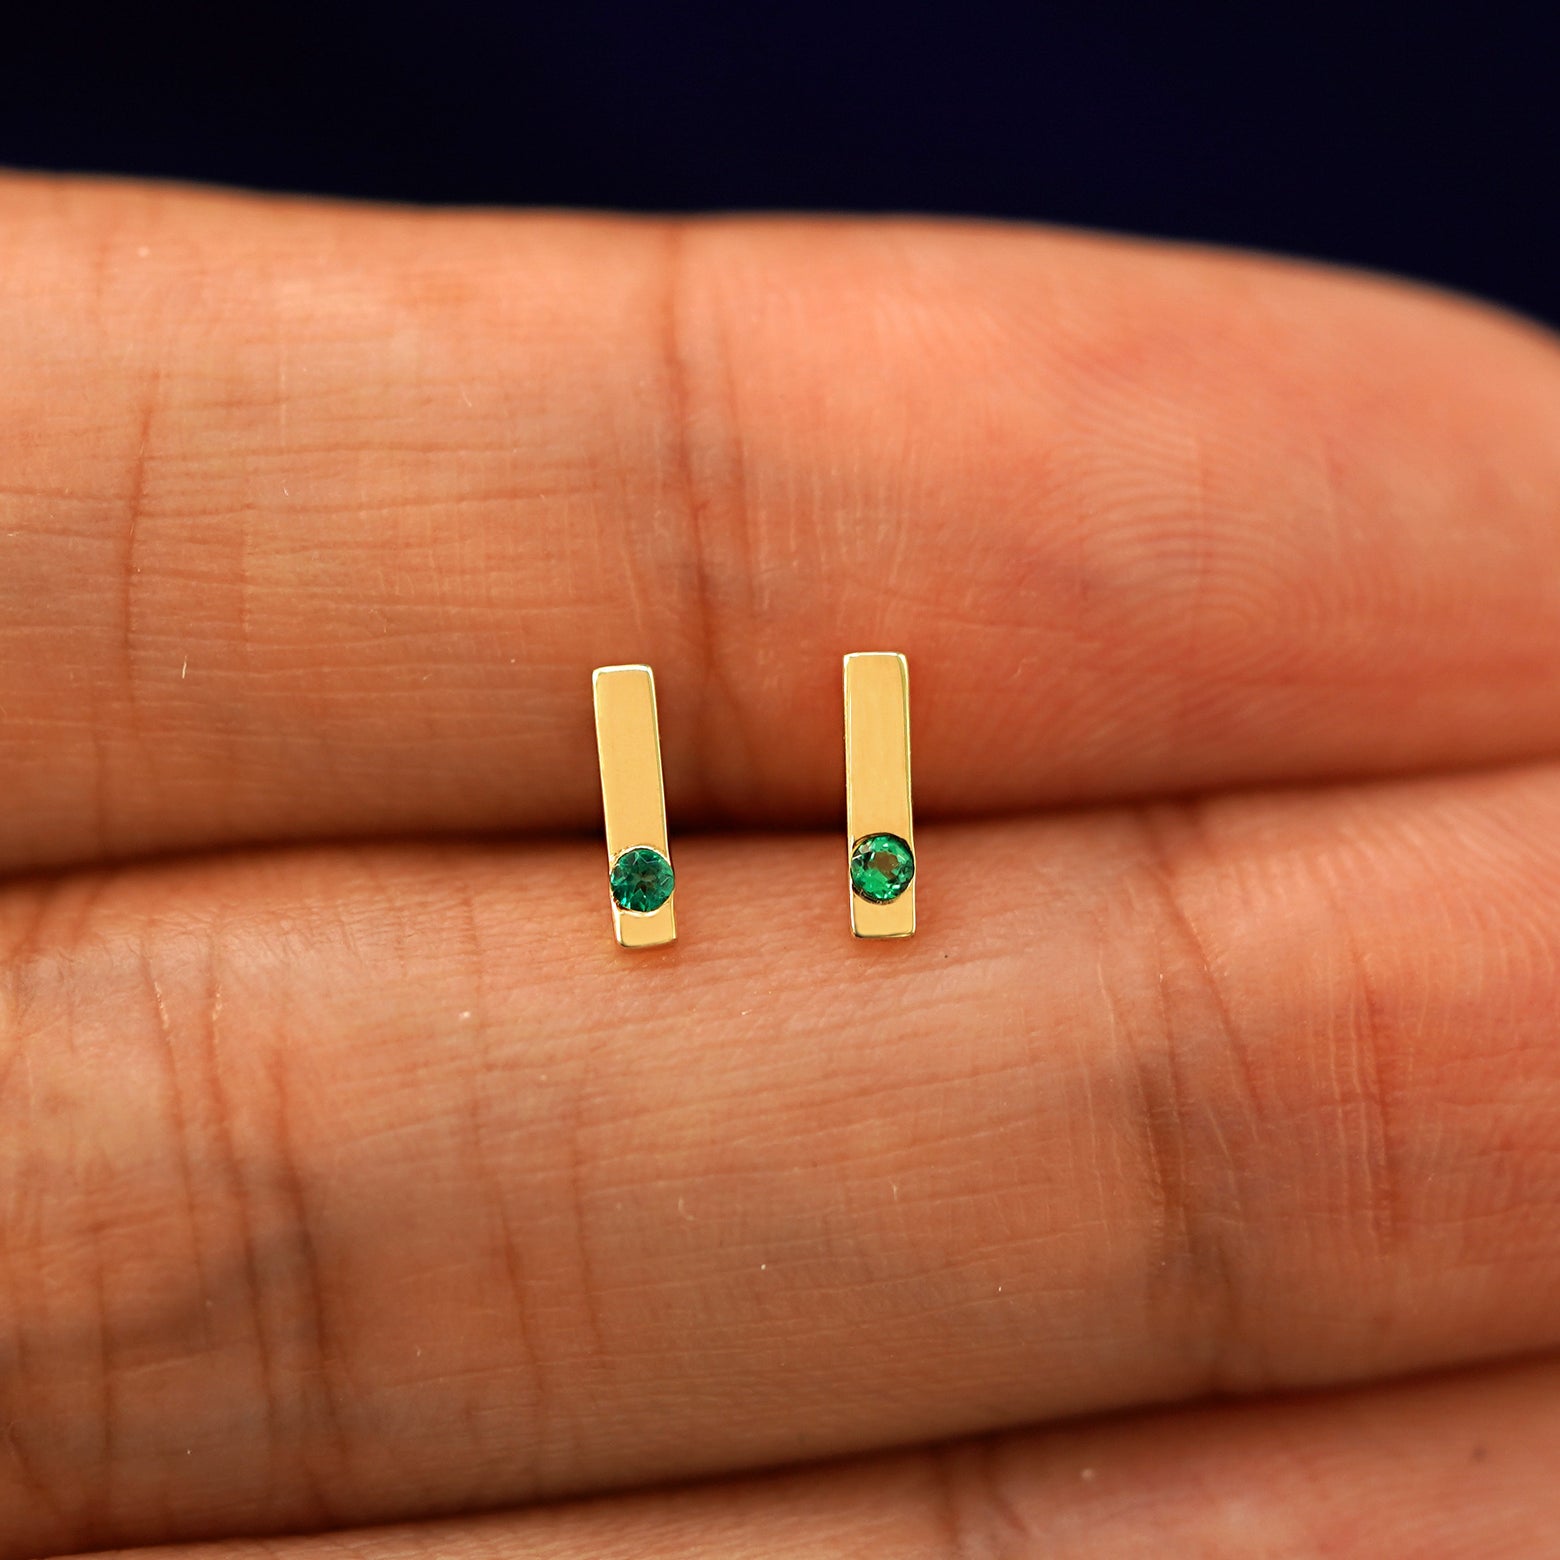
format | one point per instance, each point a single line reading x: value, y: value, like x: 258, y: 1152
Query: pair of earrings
x: 877, y: 801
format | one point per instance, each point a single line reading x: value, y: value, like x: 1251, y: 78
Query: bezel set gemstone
x: 642, y: 880
x: 881, y: 867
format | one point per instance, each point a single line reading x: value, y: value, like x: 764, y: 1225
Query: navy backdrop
x: 1418, y: 138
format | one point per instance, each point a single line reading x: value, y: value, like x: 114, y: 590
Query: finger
x: 349, y: 1187
x: 316, y: 519
x: 1455, y: 1467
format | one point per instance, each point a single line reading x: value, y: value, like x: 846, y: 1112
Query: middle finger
x: 347, y: 1186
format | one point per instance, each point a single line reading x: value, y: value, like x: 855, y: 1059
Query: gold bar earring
x: 639, y: 866
x: 877, y: 795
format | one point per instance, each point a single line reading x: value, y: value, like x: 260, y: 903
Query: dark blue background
x: 1425, y: 139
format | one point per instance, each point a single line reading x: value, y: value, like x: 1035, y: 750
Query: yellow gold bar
x: 877, y: 778
x: 632, y: 798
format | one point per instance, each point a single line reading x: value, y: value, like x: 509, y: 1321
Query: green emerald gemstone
x: 641, y: 880
x: 881, y: 866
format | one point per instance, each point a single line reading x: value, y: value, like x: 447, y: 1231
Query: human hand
x: 350, y: 1174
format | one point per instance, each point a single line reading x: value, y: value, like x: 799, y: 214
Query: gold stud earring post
x: 881, y: 835
x: 639, y: 865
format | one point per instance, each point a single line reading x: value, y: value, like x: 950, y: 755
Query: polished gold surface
x: 877, y: 776
x: 629, y: 744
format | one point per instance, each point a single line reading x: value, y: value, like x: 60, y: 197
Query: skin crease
x: 1460, y: 1469
x: 349, y: 1174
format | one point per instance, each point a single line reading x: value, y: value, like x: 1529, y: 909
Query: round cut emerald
x: 881, y: 866
x: 642, y: 880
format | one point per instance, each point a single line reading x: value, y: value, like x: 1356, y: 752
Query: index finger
x: 314, y: 519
